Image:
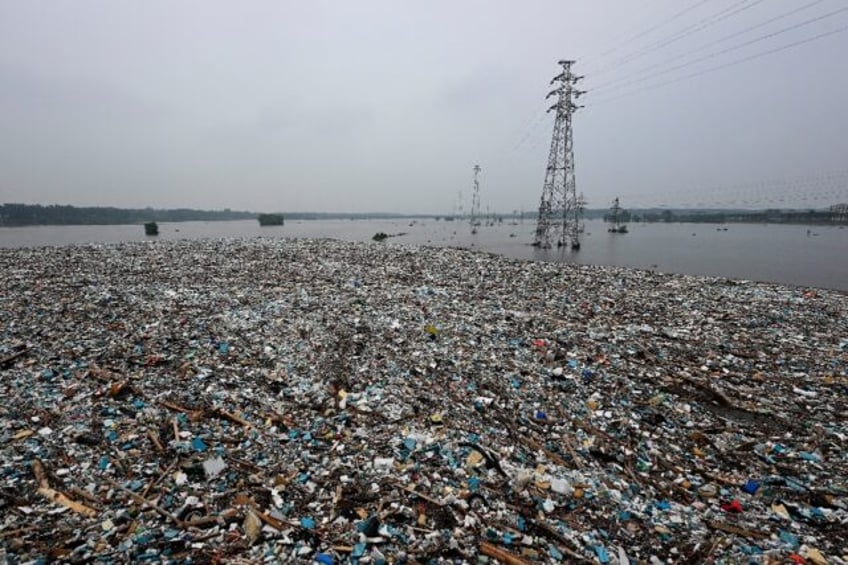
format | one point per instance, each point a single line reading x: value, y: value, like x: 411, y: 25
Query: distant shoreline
x: 22, y: 215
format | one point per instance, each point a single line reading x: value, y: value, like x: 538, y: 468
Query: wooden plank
x: 59, y: 498
x: 501, y: 554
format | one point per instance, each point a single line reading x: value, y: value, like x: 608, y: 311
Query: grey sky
x: 386, y: 105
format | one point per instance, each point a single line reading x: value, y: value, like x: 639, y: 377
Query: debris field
x: 282, y: 400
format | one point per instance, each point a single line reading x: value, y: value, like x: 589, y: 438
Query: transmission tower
x: 560, y: 210
x: 475, y: 200
x: 458, y: 209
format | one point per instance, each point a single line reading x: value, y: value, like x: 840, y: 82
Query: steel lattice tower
x: 458, y: 210
x: 560, y: 210
x: 475, y: 200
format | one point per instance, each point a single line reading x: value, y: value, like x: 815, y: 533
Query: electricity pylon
x: 475, y: 200
x: 560, y: 210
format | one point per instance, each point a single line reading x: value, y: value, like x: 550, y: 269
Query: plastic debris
x: 252, y: 527
x: 815, y: 556
x: 734, y: 506
x: 213, y: 467
x: 328, y: 402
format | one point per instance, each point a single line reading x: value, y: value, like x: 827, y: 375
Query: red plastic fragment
x: 734, y: 506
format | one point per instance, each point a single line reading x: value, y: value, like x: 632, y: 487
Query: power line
x: 826, y: 186
x: 732, y: 48
x: 710, y: 44
x: 725, y: 65
x: 532, y: 126
x: 683, y: 33
x: 628, y: 56
x: 645, y: 32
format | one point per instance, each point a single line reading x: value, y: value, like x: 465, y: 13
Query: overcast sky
x: 386, y: 105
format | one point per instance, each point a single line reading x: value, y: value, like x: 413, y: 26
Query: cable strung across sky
x: 638, y: 77
x: 799, y: 192
x: 677, y: 15
x: 728, y: 50
x: 724, y: 66
x: 684, y: 33
x: 710, y: 44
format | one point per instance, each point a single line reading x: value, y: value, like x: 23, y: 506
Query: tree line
x: 55, y: 215
x: 836, y: 214
x: 773, y: 216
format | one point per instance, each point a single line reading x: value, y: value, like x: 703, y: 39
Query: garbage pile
x: 249, y: 401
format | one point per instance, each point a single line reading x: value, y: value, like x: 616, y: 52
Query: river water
x: 779, y: 253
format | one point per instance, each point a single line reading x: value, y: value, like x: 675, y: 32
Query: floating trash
x: 245, y: 401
